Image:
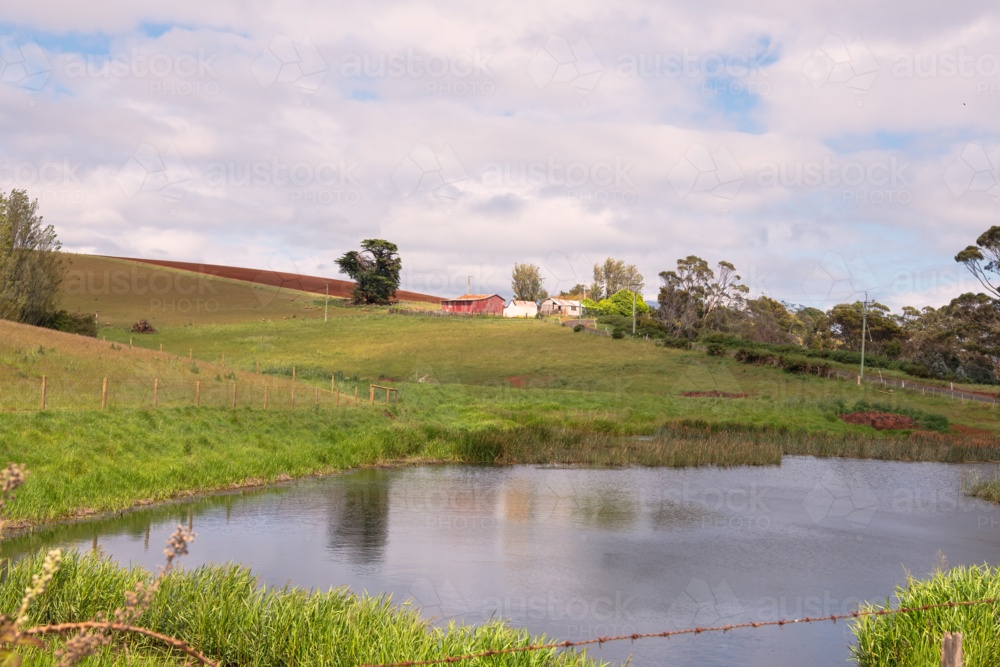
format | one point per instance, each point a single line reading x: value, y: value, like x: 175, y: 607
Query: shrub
x: 578, y: 328
x: 618, y: 333
x: 83, y: 324
x: 716, y: 350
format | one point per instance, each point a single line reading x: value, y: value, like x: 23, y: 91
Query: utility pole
x: 864, y: 325
x: 468, y: 288
x: 326, y: 305
x: 633, y: 307
x: 633, y: 312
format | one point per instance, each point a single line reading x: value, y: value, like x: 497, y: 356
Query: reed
x: 223, y: 612
x: 914, y: 639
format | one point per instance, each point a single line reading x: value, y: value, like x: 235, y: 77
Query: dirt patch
x: 713, y: 394
x: 880, y: 421
x: 525, y: 381
x: 972, y: 430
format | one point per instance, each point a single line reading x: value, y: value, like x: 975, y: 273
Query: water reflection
x: 577, y: 553
x: 359, y: 517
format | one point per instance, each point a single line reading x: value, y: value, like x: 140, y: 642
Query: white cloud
x: 268, y: 169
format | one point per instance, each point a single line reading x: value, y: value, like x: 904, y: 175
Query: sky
x: 827, y: 150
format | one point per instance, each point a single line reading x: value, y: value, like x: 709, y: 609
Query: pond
x: 578, y: 553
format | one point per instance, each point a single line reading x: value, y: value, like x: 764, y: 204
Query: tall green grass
x: 914, y: 639
x: 222, y: 612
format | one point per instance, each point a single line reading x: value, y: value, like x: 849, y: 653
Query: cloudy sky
x: 823, y: 148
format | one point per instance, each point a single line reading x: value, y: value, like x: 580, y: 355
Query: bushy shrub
x: 716, y: 350
x: 799, y: 365
x: 618, y: 333
x: 578, y: 328
x: 80, y: 323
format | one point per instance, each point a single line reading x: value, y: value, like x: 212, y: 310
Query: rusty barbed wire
x: 671, y: 633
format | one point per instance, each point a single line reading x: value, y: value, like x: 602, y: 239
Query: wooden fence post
x: 387, y: 397
x: 43, y: 392
x: 265, y: 397
x: 234, y: 396
x: 258, y: 368
x: 190, y: 354
x: 156, y: 385
x: 161, y: 347
x: 197, y: 394
x: 293, y: 373
x: 332, y: 382
x: 130, y: 342
x: 293, y: 397
x: 104, y: 394
x: 371, y: 395
x: 951, y: 649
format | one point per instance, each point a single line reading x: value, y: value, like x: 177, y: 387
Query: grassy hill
x: 123, y: 291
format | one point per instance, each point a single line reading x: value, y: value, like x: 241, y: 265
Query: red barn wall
x: 491, y: 306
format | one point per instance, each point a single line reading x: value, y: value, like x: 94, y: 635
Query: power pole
x: 864, y: 325
x: 468, y: 288
x: 633, y: 312
x: 326, y: 305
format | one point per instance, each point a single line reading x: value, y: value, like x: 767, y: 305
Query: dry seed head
x: 82, y: 645
x: 177, y: 546
x: 39, y: 583
x: 11, y: 477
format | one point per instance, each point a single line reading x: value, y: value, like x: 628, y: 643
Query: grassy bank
x: 914, y: 639
x: 94, y: 461
x: 221, y: 612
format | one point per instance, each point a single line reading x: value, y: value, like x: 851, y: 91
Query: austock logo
x: 839, y: 496
x: 701, y: 170
x: 439, y: 174
x: 285, y: 61
x: 149, y: 170
x: 701, y: 605
x: 836, y: 279
x: 560, y: 62
x: 839, y: 62
x: 975, y: 170
x: 23, y: 65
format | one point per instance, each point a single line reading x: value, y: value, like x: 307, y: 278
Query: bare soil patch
x: 880, y: 421
x: 525, y: 381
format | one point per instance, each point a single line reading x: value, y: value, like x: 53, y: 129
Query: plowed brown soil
x: 880, y: 421
x: 292, y: 281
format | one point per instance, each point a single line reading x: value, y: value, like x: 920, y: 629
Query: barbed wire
x: 671, y: 633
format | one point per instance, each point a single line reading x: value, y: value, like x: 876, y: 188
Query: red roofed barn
x: 475, y: 304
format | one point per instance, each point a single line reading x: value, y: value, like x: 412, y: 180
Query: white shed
x: 521, y: 309
x: 561, y: 307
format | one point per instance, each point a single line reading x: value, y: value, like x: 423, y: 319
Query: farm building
x: 563, y: 307
x: 521, y: 309
x: 475, y: 304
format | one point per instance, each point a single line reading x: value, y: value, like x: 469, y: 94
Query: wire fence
x: 692, y: 631
x: 71, y: 393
